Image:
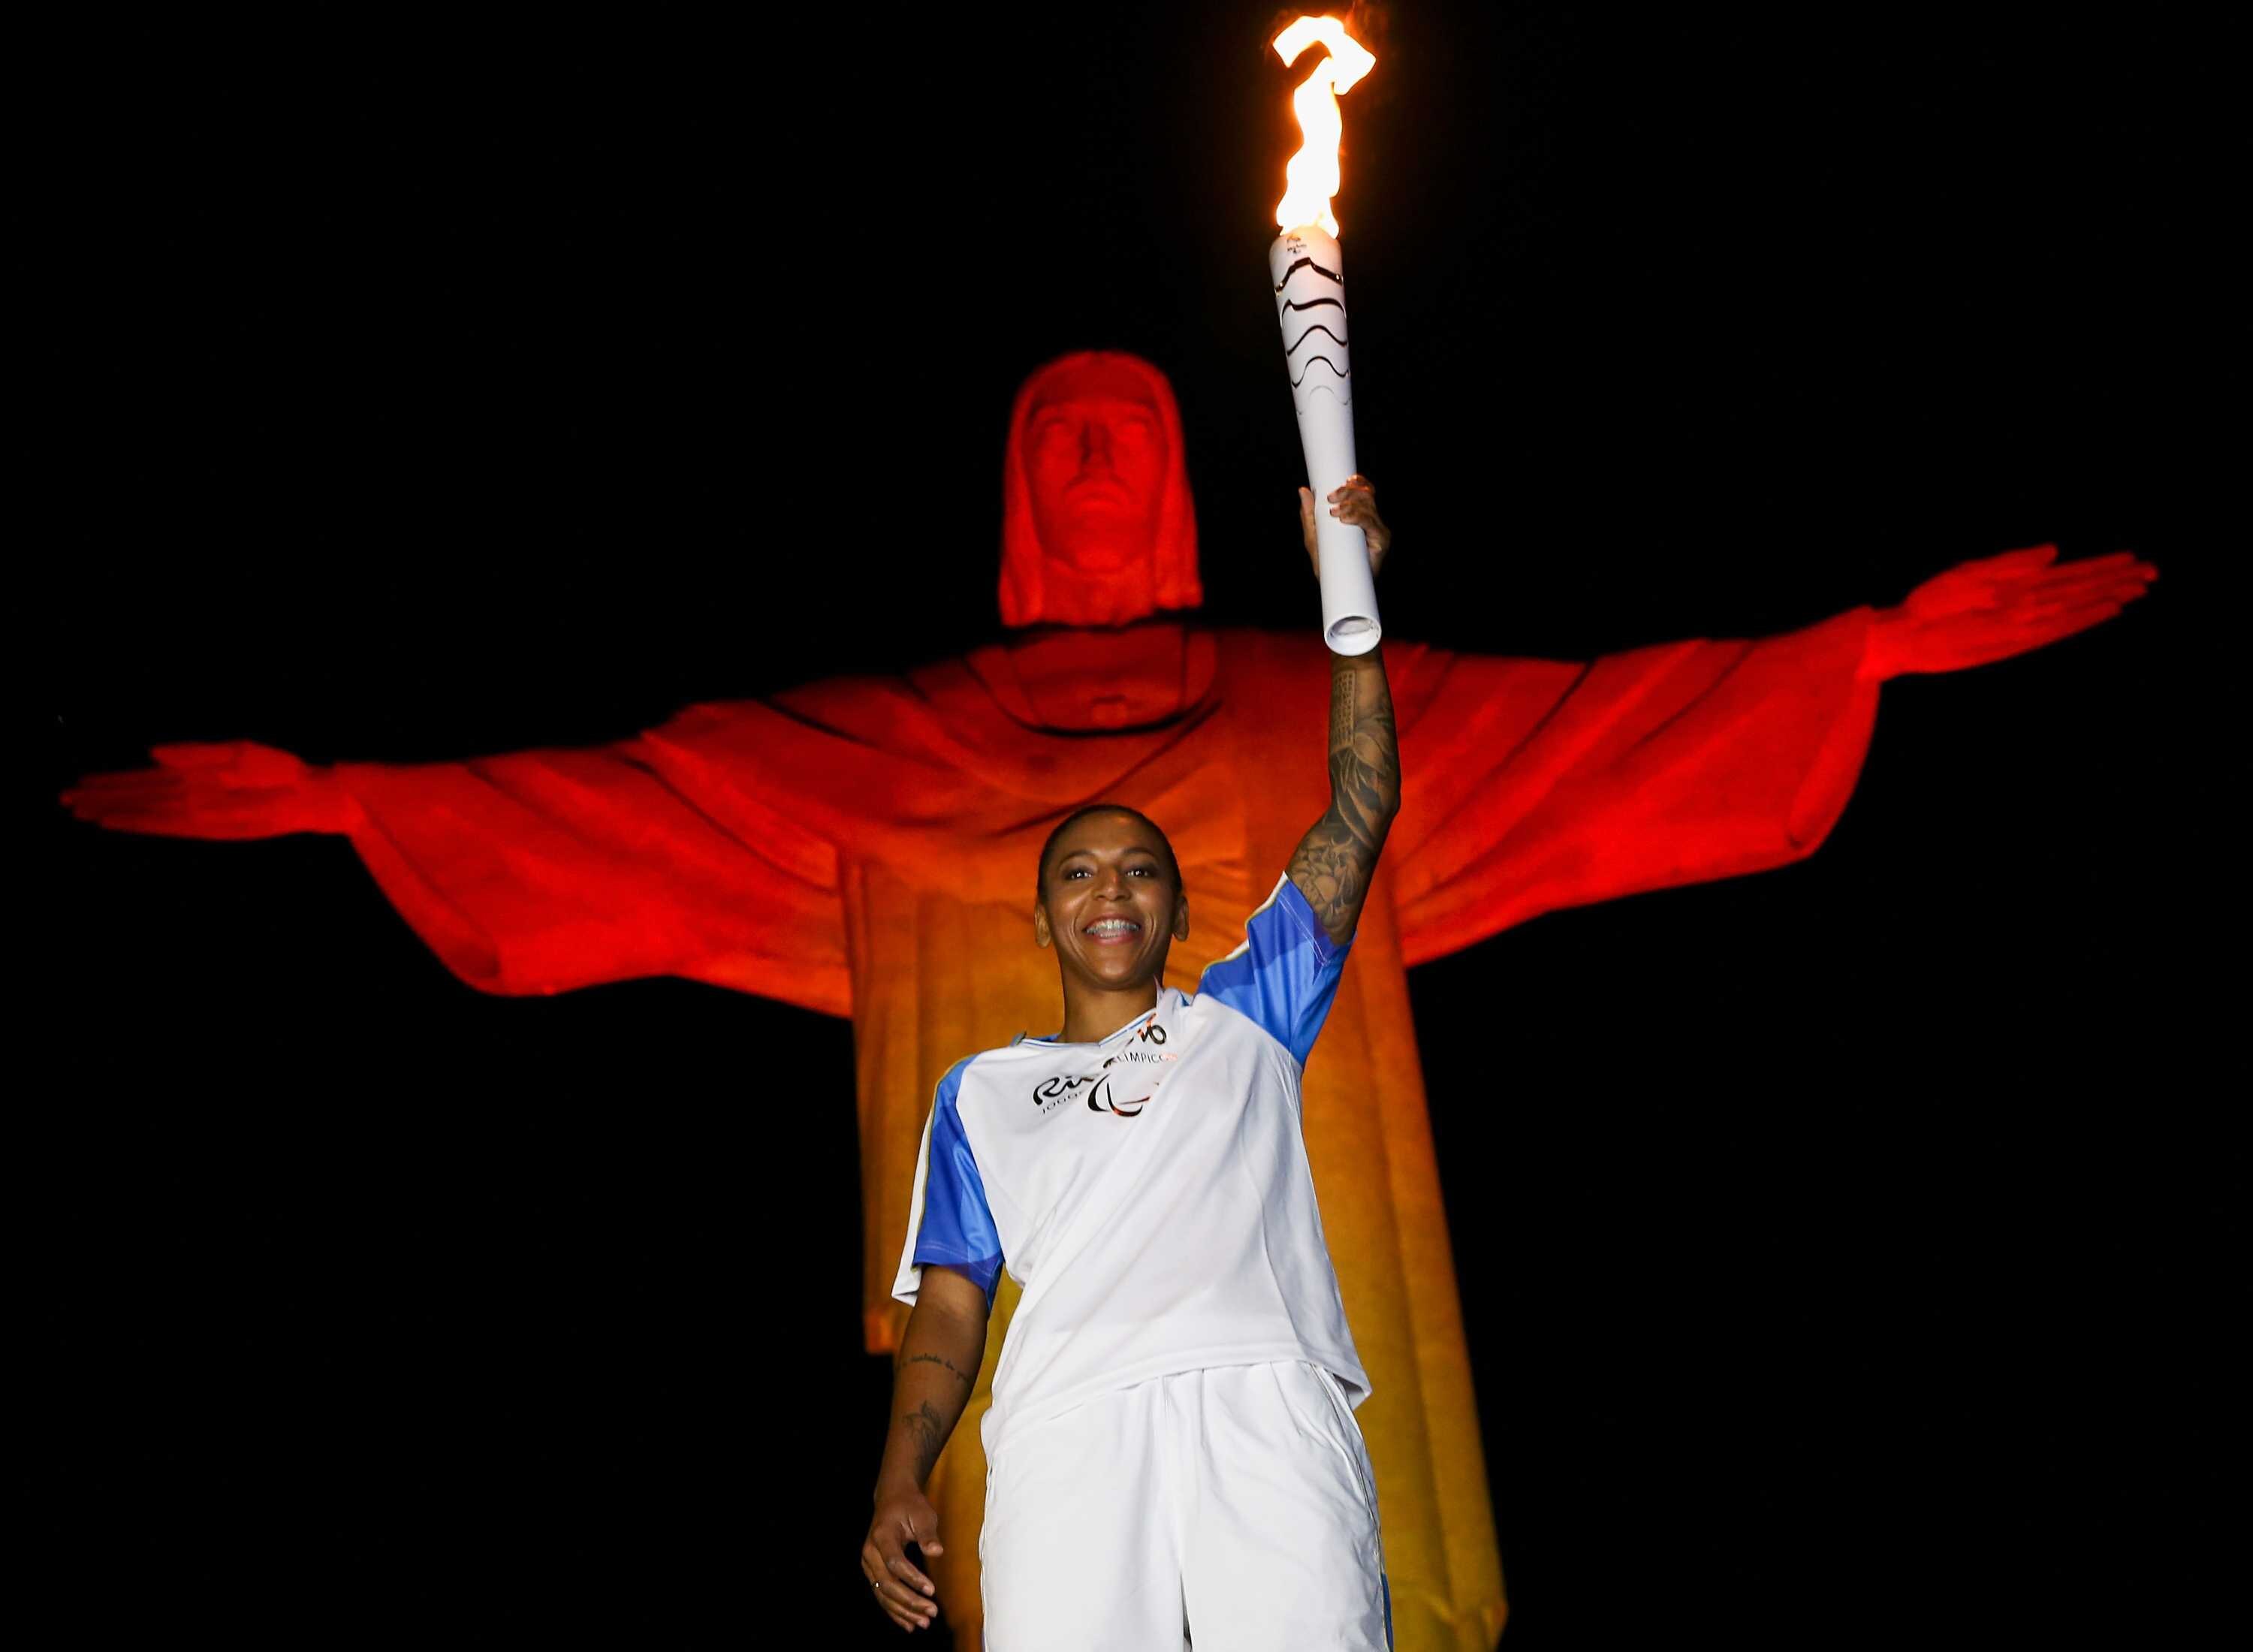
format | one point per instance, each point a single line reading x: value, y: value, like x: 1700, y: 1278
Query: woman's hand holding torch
x: 1356, y: 506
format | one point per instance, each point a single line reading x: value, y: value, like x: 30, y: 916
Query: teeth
x: 1113, y: 926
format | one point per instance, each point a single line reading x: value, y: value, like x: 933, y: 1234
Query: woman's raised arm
x: 1333, y: 863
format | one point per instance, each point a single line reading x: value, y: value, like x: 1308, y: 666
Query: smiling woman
x: 1110, y: 901
x: 1143, y: 1175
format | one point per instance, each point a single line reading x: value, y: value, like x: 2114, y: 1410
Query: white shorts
x: 1233, y: 1508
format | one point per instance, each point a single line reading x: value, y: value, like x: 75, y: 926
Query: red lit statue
x: 859, y: 846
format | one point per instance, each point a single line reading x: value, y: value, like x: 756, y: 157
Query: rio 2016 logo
x: 1050, y: 1092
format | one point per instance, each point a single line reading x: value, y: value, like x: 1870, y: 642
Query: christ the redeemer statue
x: 858, y: 846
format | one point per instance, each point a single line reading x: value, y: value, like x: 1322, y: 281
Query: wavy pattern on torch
x: 1310, y: 333
x: 1341, y: 373
x: 1311, y: 304
x: 1307, y: 263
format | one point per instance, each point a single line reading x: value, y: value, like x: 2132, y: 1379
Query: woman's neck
x: 1092, y: 1013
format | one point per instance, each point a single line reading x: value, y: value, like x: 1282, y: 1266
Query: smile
x: 1113, y: 929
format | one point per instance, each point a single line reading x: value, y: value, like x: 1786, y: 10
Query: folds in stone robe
x: 866, y: 847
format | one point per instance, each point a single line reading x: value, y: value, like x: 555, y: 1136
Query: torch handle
x: 1349, y: 620
x: 1310, y: 280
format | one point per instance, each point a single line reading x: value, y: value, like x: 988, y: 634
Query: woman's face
x: 1109, y: 902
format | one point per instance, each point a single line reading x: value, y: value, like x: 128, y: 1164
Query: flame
x: 1312, y: 174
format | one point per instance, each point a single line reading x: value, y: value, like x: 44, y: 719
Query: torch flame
x: 1312, y: 174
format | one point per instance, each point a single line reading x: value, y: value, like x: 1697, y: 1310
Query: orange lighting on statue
x: 861, y: 847
x: 1311, y: 176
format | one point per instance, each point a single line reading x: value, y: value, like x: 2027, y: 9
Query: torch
x: 1309, y: 278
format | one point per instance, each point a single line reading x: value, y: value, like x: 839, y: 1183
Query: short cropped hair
x: 1041, y: 868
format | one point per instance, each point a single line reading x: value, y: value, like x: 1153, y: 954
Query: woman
x: 1171, y: 1450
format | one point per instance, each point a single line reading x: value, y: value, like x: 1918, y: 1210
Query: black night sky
x: 1842, y: 1248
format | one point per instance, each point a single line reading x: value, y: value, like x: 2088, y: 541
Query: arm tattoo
x: 939, y: 1359
x: 1336, y: 858
x: 928, y: 1430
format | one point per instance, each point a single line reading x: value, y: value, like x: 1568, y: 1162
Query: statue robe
x: 865, y: 847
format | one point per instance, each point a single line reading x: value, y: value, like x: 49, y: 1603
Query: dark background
x: 1842, y: 1248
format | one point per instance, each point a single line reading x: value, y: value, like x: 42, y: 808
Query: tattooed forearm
x: 926, y: 1431
x: 1334, y: 859
x: 940, y: 1360
x: 941, y: 1350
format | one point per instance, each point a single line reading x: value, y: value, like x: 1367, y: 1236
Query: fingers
x: 2058, y: 627
x: 2049, y: 605
x: 905, y: 1608
x: 2111, y: 560
x: 909, y: 1573
x: 138, y: 800
x: 1354, y: 500
x: 893, y: 1555
x: 2041, y: 603
x: 129, y: 789
x: 2009, y: 590
x: 199, y: 753
x: 1354, y: 504
x: 887, y: 1571
x: 2119, y: 565
x: 2014, y: 562
x: 2128, y: 578
x: 1992, y: 644
x: 909, y: 1611
x: 162, y: 803
x: 2023, y: 571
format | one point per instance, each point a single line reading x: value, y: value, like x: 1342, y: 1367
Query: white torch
x: 1308, y: 274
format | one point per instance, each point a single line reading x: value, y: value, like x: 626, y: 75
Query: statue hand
x: 1355, y: 503
x: 231, y: 789
x: 2001, y: 606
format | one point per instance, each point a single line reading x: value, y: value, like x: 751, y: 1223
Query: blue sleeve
x: 1285, y: 974
x: 956, y: 1225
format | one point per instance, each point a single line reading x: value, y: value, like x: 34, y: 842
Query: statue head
x: 1097, y: 524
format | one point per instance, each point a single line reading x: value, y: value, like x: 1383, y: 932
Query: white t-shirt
x: 1150, y: 1191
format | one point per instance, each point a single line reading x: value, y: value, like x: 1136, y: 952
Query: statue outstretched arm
x: 539, y: 871
x: 1536, y: 785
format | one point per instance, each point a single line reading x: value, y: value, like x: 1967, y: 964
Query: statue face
x: 1097, y: 525
x: 1095, y: 464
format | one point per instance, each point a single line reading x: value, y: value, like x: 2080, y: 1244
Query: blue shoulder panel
x: 958, y: 1228
x: 1285, y: 974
